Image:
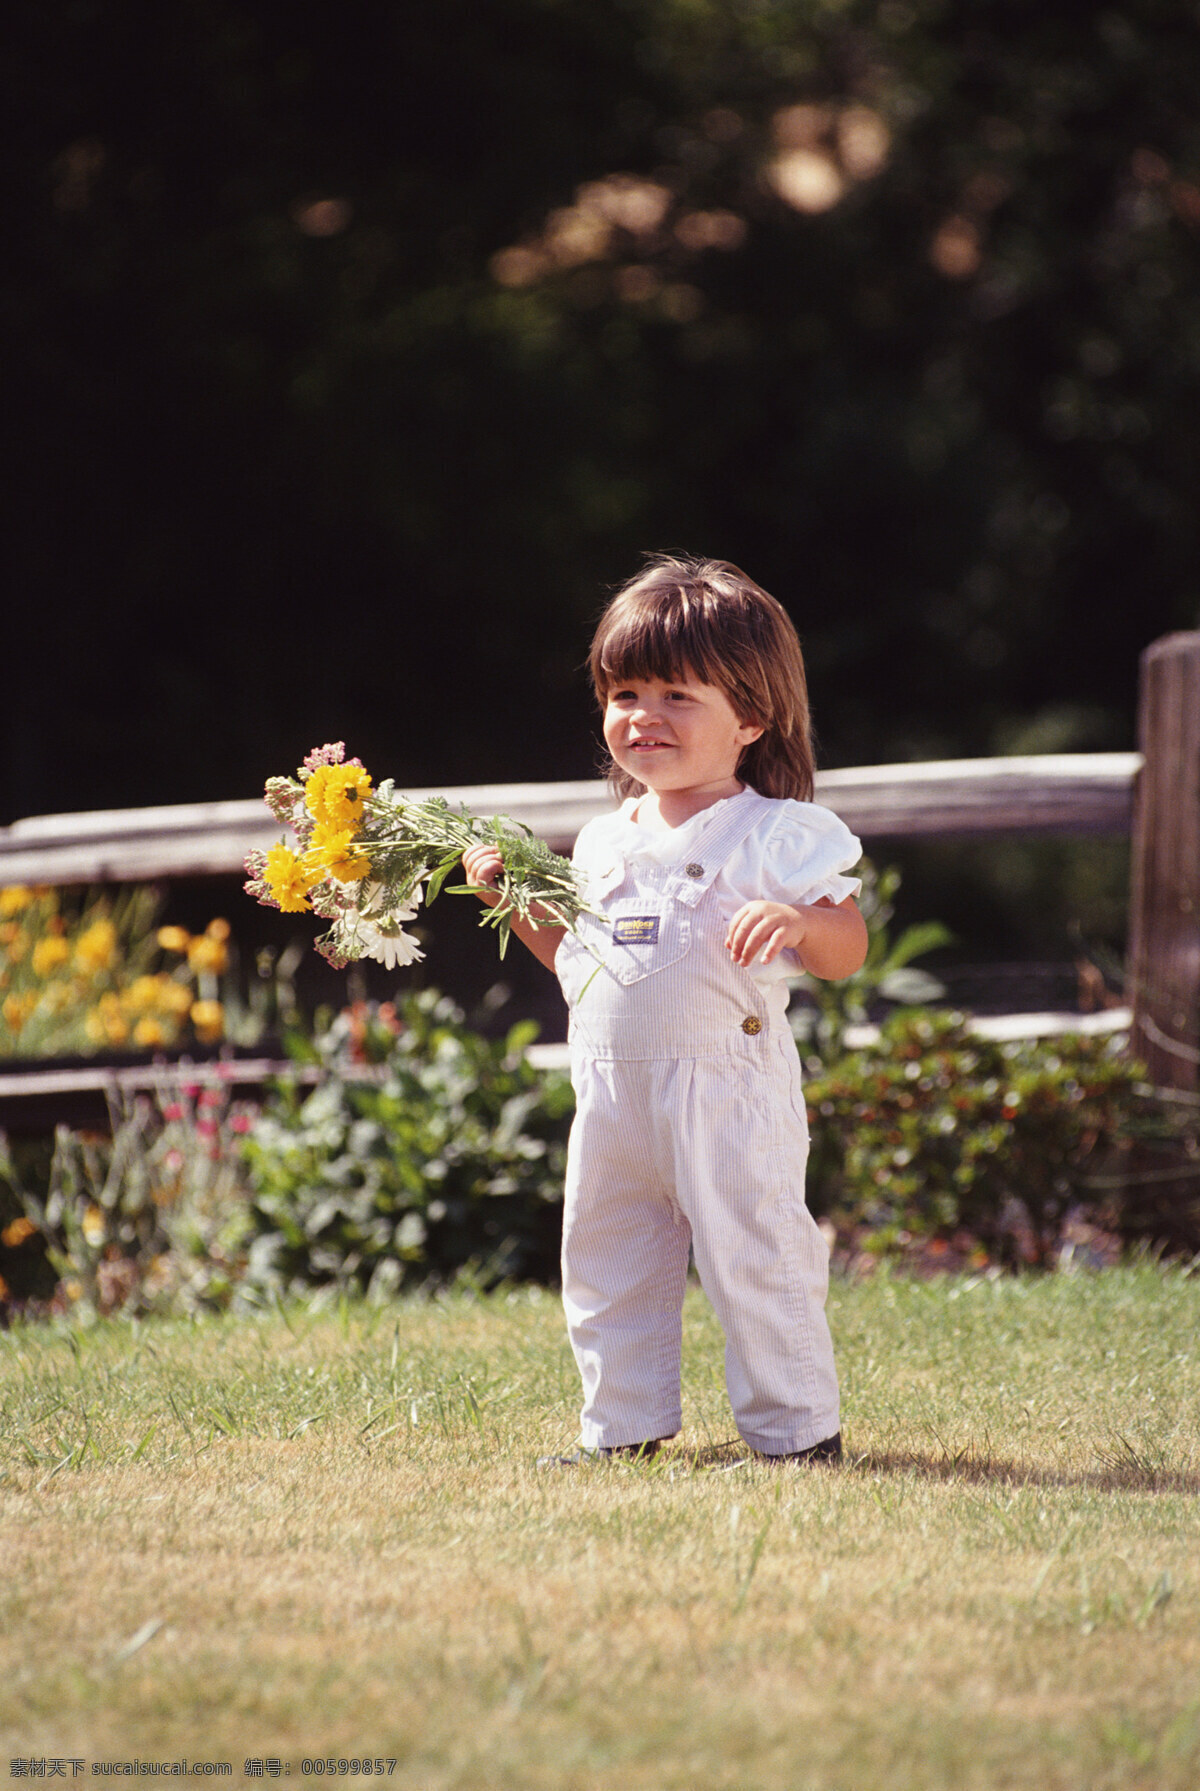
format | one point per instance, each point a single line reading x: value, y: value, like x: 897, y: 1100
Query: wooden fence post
x: 1164, y: 958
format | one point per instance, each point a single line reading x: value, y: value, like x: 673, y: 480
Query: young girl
x: 716, y: 879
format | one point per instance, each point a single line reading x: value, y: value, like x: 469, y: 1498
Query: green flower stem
x: 412, y: 843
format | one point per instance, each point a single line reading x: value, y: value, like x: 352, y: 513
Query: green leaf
x: 915, y: 941
x: 438, y: 877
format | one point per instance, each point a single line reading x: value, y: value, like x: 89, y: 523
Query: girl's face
x: 676, y: 737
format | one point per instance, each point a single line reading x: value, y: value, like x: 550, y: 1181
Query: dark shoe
x: 828, y: 1451
x: 582, y: 1457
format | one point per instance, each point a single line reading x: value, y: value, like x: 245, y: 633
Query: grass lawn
x: 312, y: 1535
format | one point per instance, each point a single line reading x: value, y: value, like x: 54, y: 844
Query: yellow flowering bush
x: 98, y: 976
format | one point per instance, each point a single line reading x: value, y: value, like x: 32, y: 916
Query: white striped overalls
x: 690, y: 1128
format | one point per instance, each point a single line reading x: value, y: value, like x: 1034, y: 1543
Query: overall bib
x: 690, y: 1130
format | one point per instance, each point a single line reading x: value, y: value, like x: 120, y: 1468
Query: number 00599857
x: 320, y: 1768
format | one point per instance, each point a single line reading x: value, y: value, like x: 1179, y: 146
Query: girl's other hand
x: 763, y: 929
x: 829, y: 938
x: 483, y: 865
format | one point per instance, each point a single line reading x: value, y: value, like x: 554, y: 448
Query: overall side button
x: 752, y: 1024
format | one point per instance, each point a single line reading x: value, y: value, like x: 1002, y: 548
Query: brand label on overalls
x: 635, y: 929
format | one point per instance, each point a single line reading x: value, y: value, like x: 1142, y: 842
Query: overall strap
x: 688, y: 882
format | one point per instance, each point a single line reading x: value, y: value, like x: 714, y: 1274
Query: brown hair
x: 706, y: 618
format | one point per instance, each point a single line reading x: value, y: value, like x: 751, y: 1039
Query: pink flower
x: 333, y: 754
x: 259, y: 892
x: 173, y: 1110
x: 207, y: 1128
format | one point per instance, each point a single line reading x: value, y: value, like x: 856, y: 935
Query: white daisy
x: 388, y: 943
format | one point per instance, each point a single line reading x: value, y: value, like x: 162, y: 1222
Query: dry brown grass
x: 999, y: 1589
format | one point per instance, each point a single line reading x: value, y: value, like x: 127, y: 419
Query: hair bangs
x: 662, y: 634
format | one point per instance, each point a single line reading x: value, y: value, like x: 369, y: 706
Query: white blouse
x: 797, y: 853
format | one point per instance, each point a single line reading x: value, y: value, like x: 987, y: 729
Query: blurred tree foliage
x: 355, y: 348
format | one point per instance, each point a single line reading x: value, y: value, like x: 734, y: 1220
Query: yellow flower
x: 96, y: 946
x: 148, y: 1032
x: 288, y: 879
x: 218, y: 929
x: 105, y: 1024
x: 93, y: 1227
x: 143, y: 994
x: 171, y: 997
x: 15, y: 899
x: 15, y: 1234
x: 208, y: 1017
x: 17, y: 1009
x: 160, y: 993
x: 14, y: 939
x: 50, y: 954
x: 173, y: 938
x: 207, y: 954
x: 331, y: 854
x: 336, y: 794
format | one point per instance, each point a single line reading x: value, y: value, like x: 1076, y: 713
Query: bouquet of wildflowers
x: 366, y: 858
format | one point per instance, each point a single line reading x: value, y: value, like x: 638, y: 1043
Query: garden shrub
x: 150, y: 1216
x: 934, y: 1130
x: 425, y: 1150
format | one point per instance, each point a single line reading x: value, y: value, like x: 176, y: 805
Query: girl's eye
x: 631, y: 696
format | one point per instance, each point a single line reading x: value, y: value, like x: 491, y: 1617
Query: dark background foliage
x: 301, y: 452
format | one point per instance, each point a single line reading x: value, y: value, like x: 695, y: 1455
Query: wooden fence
x: 1153, y: 794
x: 1084, y: 793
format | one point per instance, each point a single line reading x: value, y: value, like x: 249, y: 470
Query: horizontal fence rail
x: 1060, y: 794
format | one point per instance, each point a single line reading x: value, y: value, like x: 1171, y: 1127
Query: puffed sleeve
x: 806, y: 854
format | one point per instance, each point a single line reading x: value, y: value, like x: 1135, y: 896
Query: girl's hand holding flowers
x: 483, y: 865
x: 365, y: 859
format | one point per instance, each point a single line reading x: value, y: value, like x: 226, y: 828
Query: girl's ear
x: 749, y: 732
